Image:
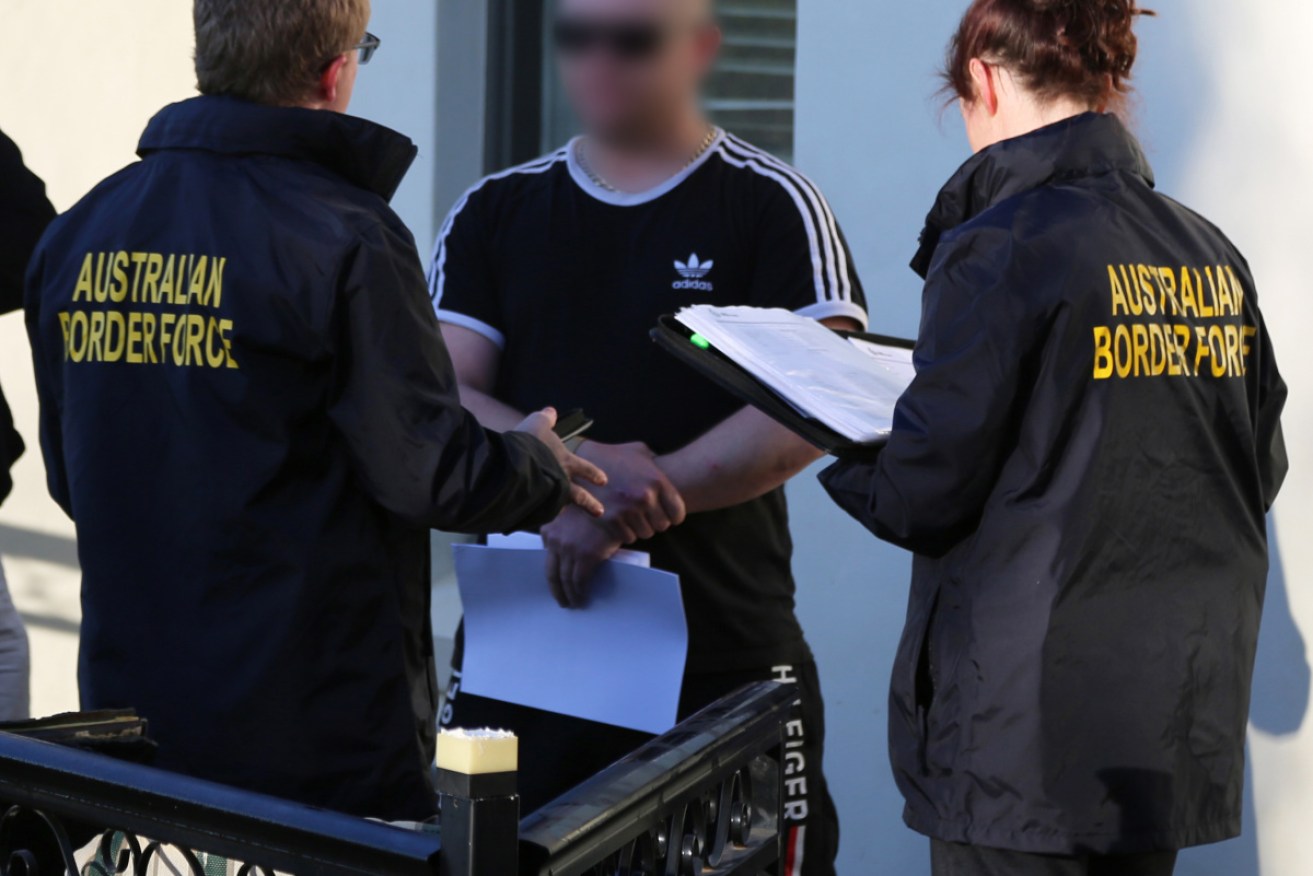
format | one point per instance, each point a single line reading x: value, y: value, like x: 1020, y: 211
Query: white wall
x: 1249, y: 167
x: 1221, y: 115
x: 398, y: 89
x: 80, y: 82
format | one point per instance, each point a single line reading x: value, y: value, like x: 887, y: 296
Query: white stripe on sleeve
x: 452, y: 317
x: 822, y: 206
x: 813, y: 233
x: 438, y: 269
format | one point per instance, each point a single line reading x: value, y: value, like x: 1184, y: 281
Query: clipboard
x: 675, y: 338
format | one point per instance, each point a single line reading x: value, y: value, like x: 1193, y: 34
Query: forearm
x: 491, y: 413
x: 743, y: 458
x: 512, y: 482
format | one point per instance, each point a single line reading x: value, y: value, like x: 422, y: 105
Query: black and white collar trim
x: 634, y: 199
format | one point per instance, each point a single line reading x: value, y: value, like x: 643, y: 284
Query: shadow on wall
x: 1282, y: 685
x: 1282, y: 676
x: 56, y: 549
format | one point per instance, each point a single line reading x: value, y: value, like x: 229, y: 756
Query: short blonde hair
x: 272, y: 51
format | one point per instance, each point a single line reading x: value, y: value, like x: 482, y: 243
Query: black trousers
x: 955, y: 859
x: 558, y: 752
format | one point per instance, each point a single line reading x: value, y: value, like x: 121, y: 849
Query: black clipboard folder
x: 676, y: 339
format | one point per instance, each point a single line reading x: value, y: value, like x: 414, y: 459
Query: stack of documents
x: 619, y: 660
x: 850, y: 385
x: 119, y: 733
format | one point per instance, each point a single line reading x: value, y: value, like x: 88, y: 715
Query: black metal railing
x: 703, y: 799
x: 59, y: 799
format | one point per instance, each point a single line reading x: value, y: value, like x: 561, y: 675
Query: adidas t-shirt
x: 568, y: 279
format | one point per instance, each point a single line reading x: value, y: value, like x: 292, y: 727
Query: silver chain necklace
x: 581, y: 156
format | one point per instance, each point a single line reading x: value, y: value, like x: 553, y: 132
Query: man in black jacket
x: 24, y: 214
x: 249, y: 413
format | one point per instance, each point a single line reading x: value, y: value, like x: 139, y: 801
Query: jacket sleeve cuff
x: 553, y: 494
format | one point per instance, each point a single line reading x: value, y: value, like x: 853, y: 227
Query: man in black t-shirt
x: 547, y: 279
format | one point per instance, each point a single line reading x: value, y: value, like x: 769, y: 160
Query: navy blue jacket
x: 1083, y: 466
x: 24, y: 214
x: 248, y: 411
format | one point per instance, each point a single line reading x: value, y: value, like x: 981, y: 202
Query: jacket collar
x: 367, y: 155
x: 1088, y: 145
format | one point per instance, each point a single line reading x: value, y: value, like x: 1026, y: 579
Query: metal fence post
x: 480, y: 812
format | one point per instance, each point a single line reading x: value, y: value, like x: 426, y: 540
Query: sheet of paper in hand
x: 620, y: 660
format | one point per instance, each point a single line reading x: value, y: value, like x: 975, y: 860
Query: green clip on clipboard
x: 697, y: 352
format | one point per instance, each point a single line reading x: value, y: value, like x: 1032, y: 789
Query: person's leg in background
x: 809, y: 812
x: 957, y: 859
x: 1149, y: 864
x: 811, y: 820
x: 15, y: 659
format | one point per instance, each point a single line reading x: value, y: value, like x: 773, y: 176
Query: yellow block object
x: 478, y: 752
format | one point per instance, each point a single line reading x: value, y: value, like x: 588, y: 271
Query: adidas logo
x: 694, y: 269
x: 694, y: 272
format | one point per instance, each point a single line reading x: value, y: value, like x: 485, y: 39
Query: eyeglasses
x: 627, y: 41
x: 367, y: 47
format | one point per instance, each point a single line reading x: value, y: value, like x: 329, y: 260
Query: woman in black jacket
x: 24, y: 214
x: 1083, y: 467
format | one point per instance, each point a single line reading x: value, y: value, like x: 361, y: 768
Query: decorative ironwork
x: 60, y: 800
x: 703, y: 799
x: 30, y: 840
x: 116, y: 852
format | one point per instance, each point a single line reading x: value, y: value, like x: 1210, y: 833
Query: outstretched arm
x: 956, y: 423
x: 417, y: 451
x: 743, y: 458
x: 639, y: 499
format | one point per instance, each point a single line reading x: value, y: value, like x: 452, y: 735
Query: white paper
x: 896, y: 360
x: 844, y: 385
x: 619, y: 661
x: 531, y: 541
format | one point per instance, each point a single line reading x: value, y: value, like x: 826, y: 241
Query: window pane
x: 751, y: 92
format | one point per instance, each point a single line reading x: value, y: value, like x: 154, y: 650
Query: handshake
x: 621, y: 496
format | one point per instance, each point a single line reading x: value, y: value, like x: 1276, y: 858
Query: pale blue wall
x: 399, y: 89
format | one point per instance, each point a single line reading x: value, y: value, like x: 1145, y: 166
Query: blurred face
x: 629, y: 66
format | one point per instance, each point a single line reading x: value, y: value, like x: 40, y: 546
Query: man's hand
x: 576, y: 546
x: 640, y: 500
x: 540, y: 426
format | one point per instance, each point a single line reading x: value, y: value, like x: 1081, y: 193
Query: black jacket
x: 249, y: 412
x: 24, y: 214
x: 1083, y: 466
